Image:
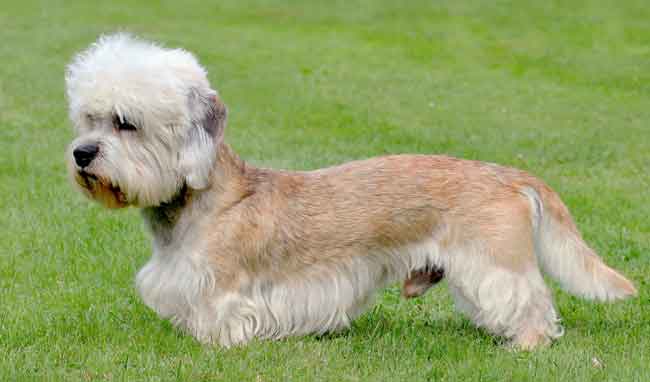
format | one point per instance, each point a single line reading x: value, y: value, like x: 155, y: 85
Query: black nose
x: 85, y: 154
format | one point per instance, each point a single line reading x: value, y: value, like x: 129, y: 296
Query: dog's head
x: 147, y: 122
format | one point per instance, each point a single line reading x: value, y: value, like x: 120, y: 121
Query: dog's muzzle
x: 85, y: 154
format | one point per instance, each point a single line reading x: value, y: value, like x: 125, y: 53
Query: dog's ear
x: 203, y: 138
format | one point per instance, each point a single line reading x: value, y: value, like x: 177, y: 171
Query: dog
x: 241, y: 252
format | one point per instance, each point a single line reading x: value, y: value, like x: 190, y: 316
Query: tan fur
x: 241, y: 252
x: 272, y: 225
x: 365, y: 205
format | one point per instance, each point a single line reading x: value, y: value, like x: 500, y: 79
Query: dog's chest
x: 177, y: 282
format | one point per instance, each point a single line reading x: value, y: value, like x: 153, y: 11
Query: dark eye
x: 122, y: 124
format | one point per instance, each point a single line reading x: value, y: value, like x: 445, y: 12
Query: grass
x: 560, y: 88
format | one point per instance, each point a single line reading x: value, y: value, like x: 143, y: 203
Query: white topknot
x: 122, y: 68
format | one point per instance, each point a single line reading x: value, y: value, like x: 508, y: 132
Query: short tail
x: 566, y: 257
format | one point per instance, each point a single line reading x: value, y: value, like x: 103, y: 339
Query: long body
x: 271, y: 253
x: 241, y: 252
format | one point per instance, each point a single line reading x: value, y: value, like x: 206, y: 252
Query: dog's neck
x: 162, y: 219
x: 231, y: 181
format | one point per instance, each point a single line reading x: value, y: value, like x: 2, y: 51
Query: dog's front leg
x: 233, y: 319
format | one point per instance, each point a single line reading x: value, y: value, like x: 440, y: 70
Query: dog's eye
x: 123, y: 125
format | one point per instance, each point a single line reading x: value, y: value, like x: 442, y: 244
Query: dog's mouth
x: 102, y: 190
x: 88, y: 177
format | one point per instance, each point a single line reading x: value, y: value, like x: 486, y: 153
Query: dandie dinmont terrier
x: 241, y: 252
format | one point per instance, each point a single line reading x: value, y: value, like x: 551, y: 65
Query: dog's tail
x: 563, y: 254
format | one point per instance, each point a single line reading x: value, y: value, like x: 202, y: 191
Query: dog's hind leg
x: 497, y: 283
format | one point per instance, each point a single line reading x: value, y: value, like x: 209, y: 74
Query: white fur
x: 566, y: 257
x: 171, y: 150
x: 324, y: 298
x: 106, y: 82
x: 328, y: 297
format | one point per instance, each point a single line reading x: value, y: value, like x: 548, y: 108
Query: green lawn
x: 561, y: 88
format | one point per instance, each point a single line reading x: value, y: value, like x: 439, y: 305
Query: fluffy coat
x: 241, y: 252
